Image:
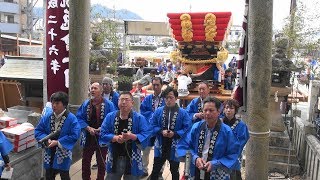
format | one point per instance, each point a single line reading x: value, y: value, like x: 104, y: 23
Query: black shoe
x: 95, y: 166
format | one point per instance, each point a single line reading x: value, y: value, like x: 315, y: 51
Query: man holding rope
x: 126, y: 133
x: 90, y: 116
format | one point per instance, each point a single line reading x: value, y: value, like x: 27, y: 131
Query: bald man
x: 90, y: 116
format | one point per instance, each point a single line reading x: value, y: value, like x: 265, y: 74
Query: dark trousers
x: 52, y: 173
x: 157, y: 165
x: 235, y: 175
x: 101, y: 153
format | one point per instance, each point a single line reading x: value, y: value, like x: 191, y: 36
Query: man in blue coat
x: 58, y: 150
x: 108, y: 92
x: 147, y: 108
x: 125, y: 133
x: 169, y: 124
x: 90, y: 115
x: 5, y: 148
x: 212, y: 144
x: 195, y: 106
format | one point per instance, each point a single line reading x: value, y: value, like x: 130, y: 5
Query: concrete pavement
x: 76, y: 171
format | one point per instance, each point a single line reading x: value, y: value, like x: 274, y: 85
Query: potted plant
x: 125, y: 83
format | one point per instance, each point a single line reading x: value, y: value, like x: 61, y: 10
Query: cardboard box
x: 19, y: 148
x: 7, y: 121
x: 31, y: 143
x: 18, y: 143
x: 22, y: 141
x: 18, y: 132
x: 29, y: 138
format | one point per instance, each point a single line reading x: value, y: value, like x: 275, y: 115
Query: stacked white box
x: 7, y: 122
x: 31, y: 143
x: 21, y: 136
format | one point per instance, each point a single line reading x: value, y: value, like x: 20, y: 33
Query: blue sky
x: 156, y: 10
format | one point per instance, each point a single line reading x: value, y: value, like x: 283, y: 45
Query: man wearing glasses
x: 147, y: 108
x: 125, y: 132
x: 169, y: 124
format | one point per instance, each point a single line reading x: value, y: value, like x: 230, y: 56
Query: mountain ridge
x: 98, y: 10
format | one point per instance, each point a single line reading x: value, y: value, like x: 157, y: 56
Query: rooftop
x: 22, y: 68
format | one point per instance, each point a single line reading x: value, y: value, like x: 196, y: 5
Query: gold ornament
x: 222, y: 55
x: 210, y: 27
x: 186, y: 27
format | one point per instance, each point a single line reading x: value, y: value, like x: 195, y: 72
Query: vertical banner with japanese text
x: 57, y: 46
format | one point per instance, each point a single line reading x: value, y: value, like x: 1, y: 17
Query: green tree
x: 301, y: 32
x: 97, y: 41
x: 105, y: 33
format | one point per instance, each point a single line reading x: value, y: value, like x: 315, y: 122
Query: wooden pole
x: 17, y: 44
x: 3, y: 96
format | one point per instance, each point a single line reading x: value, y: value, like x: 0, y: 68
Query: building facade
x: 14, y: 16
x: 235, y: 33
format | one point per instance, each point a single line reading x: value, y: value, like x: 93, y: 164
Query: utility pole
x: 258, y: 87
x: 28, y: 10
x: 293, y: 6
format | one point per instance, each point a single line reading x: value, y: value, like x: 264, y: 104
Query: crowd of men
x: 175, y: 75
x: 122, y: 139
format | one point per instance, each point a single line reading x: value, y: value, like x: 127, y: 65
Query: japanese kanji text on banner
x: 57, y: 46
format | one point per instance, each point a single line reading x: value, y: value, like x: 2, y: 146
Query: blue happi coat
x: 225, y: 153
x: 70, y: 132
x: 192, y: 108
x: 140, y: 127
x: 183, y: 124
x: 114, y: 98
x: 242, y: 134
x: 146, y: 106
x: 47, y: 109
x: 5, y: 148
x: 82, y: 116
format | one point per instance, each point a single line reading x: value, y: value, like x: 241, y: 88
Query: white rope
x: 260, y: 134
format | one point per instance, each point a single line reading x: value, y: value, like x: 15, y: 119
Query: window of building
x: 9, y: 18
x: 236, y: 33
x: 8, y: 1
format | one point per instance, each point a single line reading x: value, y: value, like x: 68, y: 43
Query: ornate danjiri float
x: 201, y: 39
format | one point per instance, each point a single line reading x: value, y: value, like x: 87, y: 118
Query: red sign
x: 57, y: 46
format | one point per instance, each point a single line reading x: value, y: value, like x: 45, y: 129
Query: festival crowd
x: 206, y: 135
